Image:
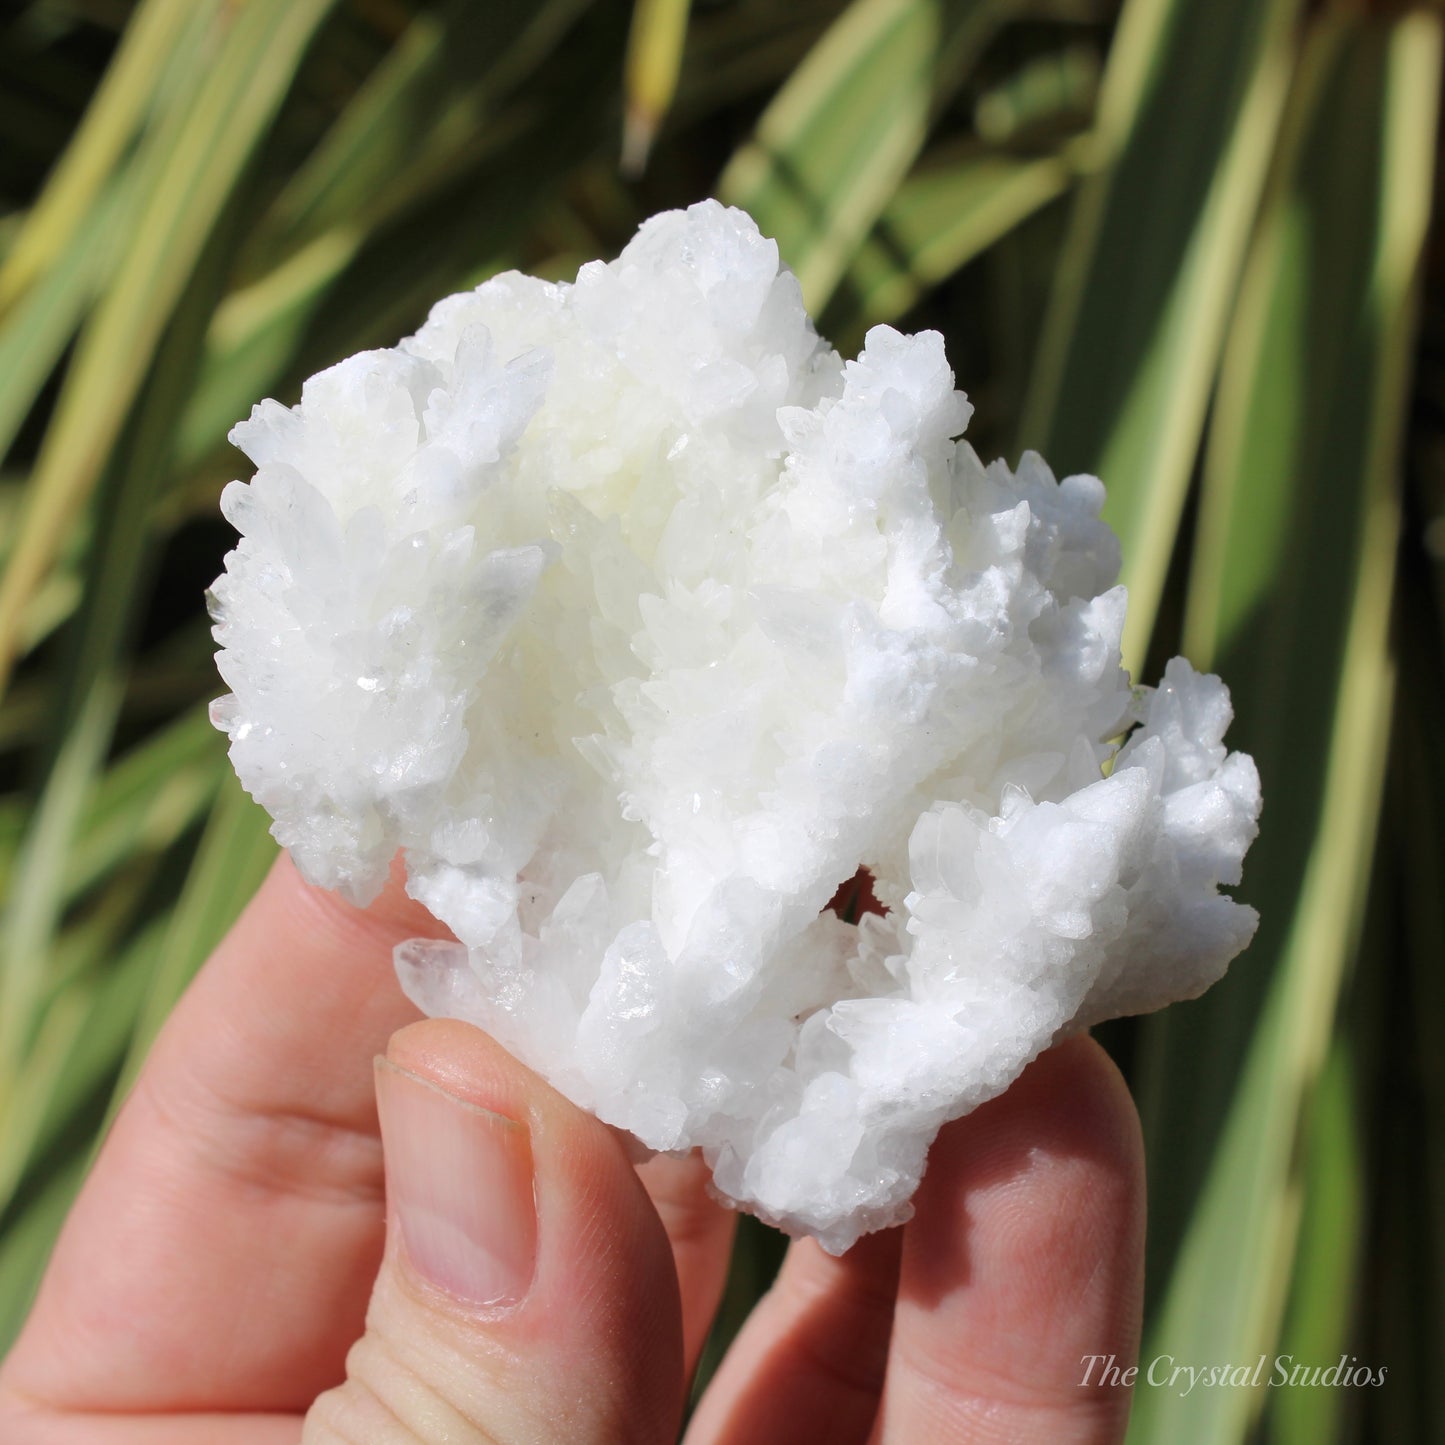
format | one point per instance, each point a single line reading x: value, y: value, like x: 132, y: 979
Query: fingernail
x: 460, y: 1180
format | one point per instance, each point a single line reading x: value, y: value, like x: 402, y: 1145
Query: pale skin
x: 229, y: 1272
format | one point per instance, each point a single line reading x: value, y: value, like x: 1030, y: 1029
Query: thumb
x: 527, y: 1293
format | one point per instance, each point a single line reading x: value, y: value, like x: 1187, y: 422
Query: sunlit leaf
x: 1291, y: 598
x: 1189, y: 109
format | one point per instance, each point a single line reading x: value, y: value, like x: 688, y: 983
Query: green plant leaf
x: 146, y: 801
x: 90, y: 687
x: 1324, y: 1288
x: 160, y: 33
x: 1291, y: 596
x: 186, y: 176
x: 654, y: 61
x: 422, y: 113
x: 1190, y: 106
x: 416, y: 152
x: 837, y: 140
x: 938, y: 220
x: 36, y: 329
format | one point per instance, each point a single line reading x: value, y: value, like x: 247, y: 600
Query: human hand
x: 212, y: 1281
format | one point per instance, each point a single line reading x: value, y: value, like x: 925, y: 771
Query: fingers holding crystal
x: 1024, y: 1259
x: 528, y: 1291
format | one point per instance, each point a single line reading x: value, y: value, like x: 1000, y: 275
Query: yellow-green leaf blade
x: 836, y: 141
x: 939, y: 219
x: 1191, y: 101
x: 1312, y: 403
x: 197, y: 163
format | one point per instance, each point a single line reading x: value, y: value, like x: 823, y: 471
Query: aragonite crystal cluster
x: 641, y: 622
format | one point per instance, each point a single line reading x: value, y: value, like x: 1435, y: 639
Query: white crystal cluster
x: 641, y: 621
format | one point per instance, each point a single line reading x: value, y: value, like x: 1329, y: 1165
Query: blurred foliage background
x: 1182, y: 243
